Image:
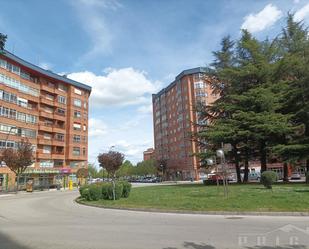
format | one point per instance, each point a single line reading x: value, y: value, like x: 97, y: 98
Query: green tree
x: 18, y: 159
x: 293, y: 73
x: 3, y: 38
x: 92, y: 170
x: 111, y: 161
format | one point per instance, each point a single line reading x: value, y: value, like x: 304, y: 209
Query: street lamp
x: 220, y: 153
x: 7, y: 137
x: 211, y: 162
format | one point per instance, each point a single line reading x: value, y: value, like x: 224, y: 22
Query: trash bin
x: 29, y: 186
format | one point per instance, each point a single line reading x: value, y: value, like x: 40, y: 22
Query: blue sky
x: 128, y: 49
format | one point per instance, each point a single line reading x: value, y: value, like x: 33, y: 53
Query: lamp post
x: 211, y: 162
x: 7, y: 137
x: 220, y: 153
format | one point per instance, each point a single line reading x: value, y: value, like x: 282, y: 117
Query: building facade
x: 148, y: 154
x: 175, y: 119
x: 51, y: 111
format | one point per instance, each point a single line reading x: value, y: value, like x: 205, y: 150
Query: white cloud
x: 91, y: 16
x: 145, y: 109
x: 97, y: 127
x: 125, y: 86
x: 131, y: 150
x: 263, y: 19
x: 302, y: 13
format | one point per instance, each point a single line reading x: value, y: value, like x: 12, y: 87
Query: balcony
x: 46, y: 127
x: 58, y: 155
x: 41, y: 155
x: 47, y: 88
x: 46, y: 101
x: 60, y: 117
x: 46, y: 114
x: 58, y: 129
x: 57, y: 142
x: 42, y: 140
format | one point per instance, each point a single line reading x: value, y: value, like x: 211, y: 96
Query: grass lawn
x: 197, y: 197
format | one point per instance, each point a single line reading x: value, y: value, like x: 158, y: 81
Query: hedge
x: 97, y: 191
x: 268, y: 178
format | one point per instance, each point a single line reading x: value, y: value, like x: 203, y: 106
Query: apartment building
x: 174, y: 119
x: 148, y: 154
x: 48, y: 109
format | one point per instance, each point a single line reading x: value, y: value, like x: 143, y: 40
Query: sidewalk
x: 23, y: 192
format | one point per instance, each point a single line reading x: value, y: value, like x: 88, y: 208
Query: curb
x: 236, y: 213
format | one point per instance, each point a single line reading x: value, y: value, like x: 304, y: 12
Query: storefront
x: 42, y: 178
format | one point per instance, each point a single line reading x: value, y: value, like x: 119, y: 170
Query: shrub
x: 86, y: 194
x: 95, y: 192
x: 126, y: 189
x: 118, y: 191
x: 104, y: 190
x: 268, y: 178
x: 81, y: 188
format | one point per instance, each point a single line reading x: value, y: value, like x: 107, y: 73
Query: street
x: 52, y: 220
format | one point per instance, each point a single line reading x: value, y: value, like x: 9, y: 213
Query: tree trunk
x: 237, y: 167
x: 263, y: 156
x: 246, y: 173
x: 114, y: 187
x: 17, y: 181
x: 307, y: 173
x: 285, y: 172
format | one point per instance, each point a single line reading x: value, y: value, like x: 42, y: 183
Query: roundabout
x: 52, y: 220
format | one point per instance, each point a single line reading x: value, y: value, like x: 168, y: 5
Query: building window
x: 62, y: 87
x: 77, y: 91
x: 78, y: 102
x: 62, y: 99
x: 84, y: 151
x: 59, y: 137
x: 73, y: 164
x: 11, y: 82
x: 49, y: 97
x: 58, y: 163
x: 47, y: 136
x: 48, y: 109
x: 84, y: 128
x: 77, y: 127
x: 7, y: 144
x: 46, y: 149
x: 85, y: 105
x: 61, y: 111
x: 76, y: 151
x: 47, y: 164
x: 77, y: 114
x: 76, y: 138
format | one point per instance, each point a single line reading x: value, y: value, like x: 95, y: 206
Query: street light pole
x: 7, y: 137
x: 220, y: 153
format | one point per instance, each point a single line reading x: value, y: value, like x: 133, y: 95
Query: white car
x: 295, y: 176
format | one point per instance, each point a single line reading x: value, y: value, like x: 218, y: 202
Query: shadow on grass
x: 279, y: 247
x: 301, y: 190
x: 192, y: 245
x: 8, y: 243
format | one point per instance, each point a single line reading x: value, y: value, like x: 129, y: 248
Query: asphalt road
x: 52, y: 220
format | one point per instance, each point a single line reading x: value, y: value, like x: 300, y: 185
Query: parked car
x: 254, y: 176
x: 295, y: 176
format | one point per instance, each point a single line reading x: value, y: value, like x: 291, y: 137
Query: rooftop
x: 179, y: 76
x: 45, y: 72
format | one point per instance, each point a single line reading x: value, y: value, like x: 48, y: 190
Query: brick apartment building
x: 51, y: 111
x: 148, y: 154
x: 174, y: 117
